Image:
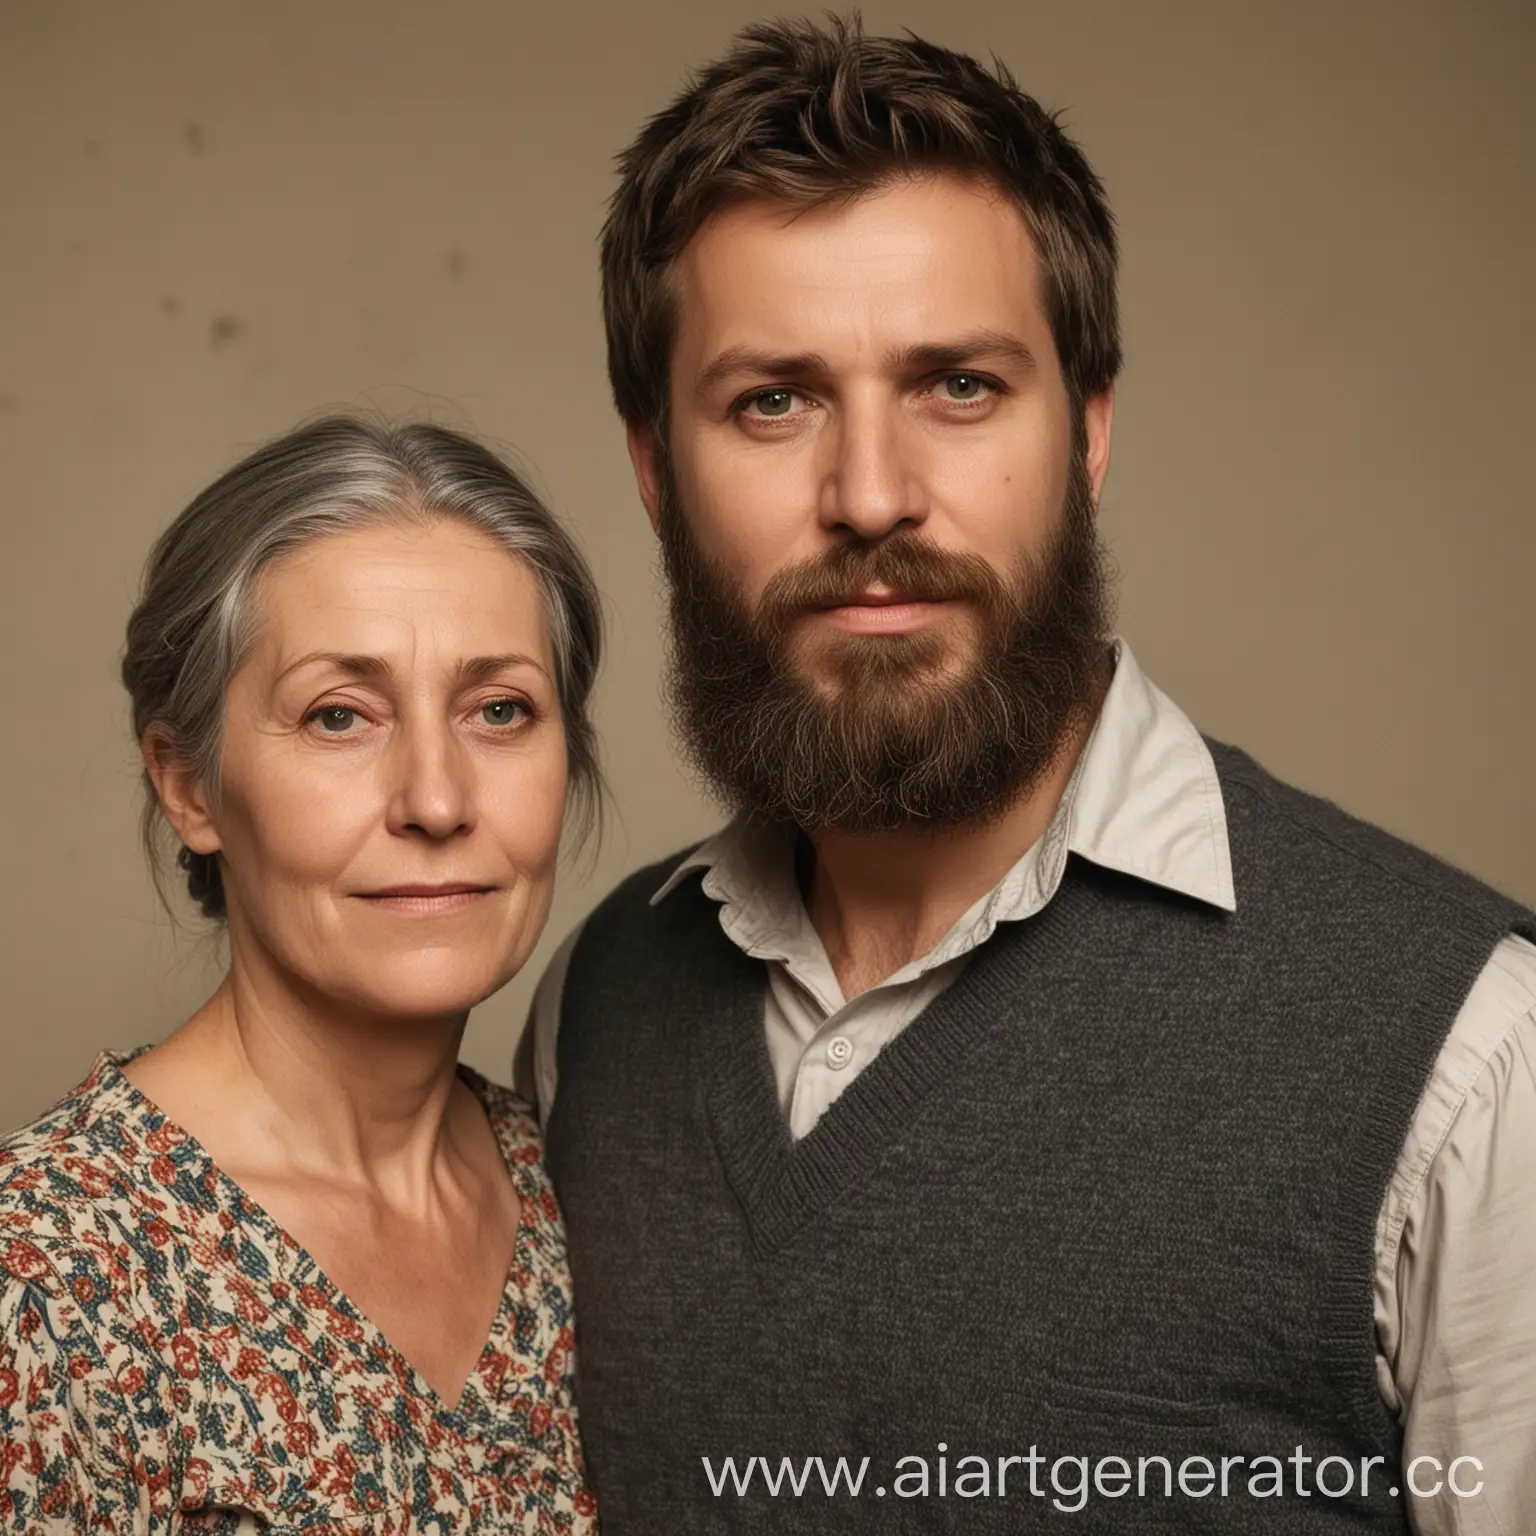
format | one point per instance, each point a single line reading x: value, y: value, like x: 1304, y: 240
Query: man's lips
x: 882, y: 612
x: 879, y: 597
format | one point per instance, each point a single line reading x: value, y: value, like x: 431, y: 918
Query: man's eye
x: 503, y: 711
x: 770, y: 402
x: 961, y: 387
x: 333, y: 719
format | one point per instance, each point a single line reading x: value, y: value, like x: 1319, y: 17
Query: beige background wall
x: 216, y: 218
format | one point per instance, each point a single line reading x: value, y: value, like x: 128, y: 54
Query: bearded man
x: 1023, y: 1100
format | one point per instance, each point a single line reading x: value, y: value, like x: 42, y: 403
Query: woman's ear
x: 182, y: 795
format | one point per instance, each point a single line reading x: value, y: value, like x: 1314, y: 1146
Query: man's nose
x: 872, y: 486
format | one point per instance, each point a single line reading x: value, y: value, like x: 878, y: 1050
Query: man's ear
x: 183, y: 796
x: 642, y: 454
x: 1098, y: 427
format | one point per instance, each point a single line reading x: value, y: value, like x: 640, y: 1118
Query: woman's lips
x: 427, y: 899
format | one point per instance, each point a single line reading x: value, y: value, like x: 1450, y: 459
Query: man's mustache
x: 916, y: 568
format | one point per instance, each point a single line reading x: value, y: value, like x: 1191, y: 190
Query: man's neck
x: 879, y: 900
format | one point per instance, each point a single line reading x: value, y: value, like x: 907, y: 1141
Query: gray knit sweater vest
x: 1111, y: 1197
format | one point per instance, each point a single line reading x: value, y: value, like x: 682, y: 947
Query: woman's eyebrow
x: 352, y: 663
x: 480, y: 668
x: 365, y: 668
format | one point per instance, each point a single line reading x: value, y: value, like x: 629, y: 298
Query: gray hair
x: 195, y: 622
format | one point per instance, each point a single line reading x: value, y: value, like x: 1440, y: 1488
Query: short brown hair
x: 803, y: 114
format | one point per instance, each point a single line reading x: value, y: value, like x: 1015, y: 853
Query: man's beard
x: 887, y: 731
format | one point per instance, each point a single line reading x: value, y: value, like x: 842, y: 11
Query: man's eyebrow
x: 735, y: 361
x: 972, y: 349
x: 982, y: 346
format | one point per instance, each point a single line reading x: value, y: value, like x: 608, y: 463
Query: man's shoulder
x: 644, y: 924
x: 636, y: 893
x: 1320, y: 840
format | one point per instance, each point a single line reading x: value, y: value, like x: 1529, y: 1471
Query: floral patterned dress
x: 171, y: 1360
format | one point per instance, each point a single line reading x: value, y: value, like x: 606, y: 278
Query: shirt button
x: 839, y: 1051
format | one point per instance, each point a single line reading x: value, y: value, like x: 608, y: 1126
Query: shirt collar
x: 1144, y: 801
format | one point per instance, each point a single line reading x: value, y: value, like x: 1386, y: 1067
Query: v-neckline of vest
x: 780, y: 1182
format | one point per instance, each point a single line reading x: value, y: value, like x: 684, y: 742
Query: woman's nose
x: 433, y: 790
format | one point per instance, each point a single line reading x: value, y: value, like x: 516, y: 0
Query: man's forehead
x: 913, y: 263
x: 931, y: 219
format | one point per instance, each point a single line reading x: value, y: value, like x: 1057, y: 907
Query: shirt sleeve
x: 1456, y: 1267
x: 534, y: 1073
x: 70, y: 1454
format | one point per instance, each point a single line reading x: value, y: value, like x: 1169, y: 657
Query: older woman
x: 295, y: 1267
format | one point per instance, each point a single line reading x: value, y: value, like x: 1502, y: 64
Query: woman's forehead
x: 433, y: 591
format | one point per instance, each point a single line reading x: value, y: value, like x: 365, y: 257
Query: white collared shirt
x: 1455, y: 1276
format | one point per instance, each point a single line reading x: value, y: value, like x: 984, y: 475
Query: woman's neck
x: 269, y: 1078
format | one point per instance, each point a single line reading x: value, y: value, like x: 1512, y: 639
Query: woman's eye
x: 503, y: 711
x: 963, y: 387
x: 334, y: 719
x: 770, y: 403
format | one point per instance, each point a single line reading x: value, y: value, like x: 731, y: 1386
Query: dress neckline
x: 181, y: 1159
